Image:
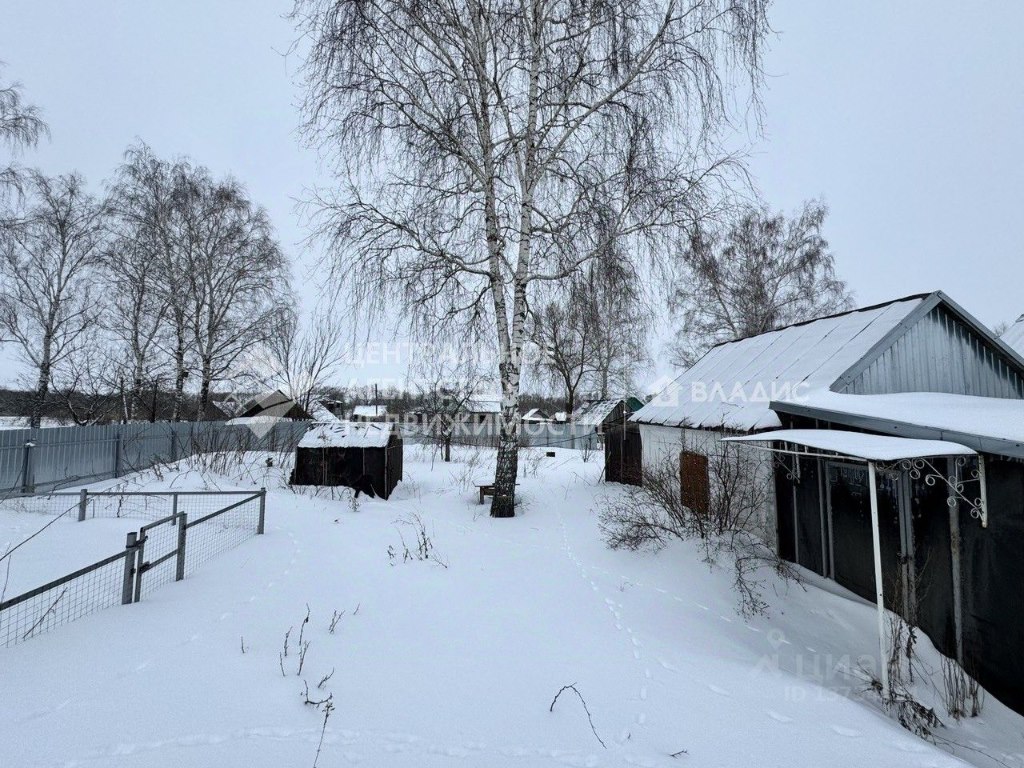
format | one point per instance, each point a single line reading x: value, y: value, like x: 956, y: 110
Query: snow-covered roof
x: 483, y: 404
x: 1014, y: 336
x: 732, y: 385
x: 370, y: 411
x: 348, y: 434
x: 535, y: 414
x: 261, y: 418
x: 319, y: 412
x: 594, y: 413
x: 858, y: 444
x: 985, y: 417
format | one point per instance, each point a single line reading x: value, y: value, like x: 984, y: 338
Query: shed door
x: 695, y: 482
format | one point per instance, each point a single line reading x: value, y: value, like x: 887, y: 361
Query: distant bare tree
x: 300, y: 358
x: 475, y: 143
x: 21, y: 126
x: 566, y: 336
x: 445, y: 382
x: 760, y: 272
x: 49, y: 257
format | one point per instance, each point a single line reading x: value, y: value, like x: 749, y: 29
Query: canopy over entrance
x: 880, y: 453
x: 856, y: 445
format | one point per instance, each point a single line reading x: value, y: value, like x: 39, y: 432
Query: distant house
x: 370, y: 413
x: 536, y: 416
x: 892, y: 434
x: 274, y: 404
x: 366, y: 456
x: 481, y: 409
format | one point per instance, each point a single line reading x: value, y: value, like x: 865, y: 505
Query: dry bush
x: 731, y: 525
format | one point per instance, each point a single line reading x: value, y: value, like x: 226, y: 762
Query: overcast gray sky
x: 906, y: 117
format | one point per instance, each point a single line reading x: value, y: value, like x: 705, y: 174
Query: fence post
x: 263, y: 511
x: 174, y: 442
x: 131, y: 553
x: 182, y: 527
x: 117, y: 454
x: 83, y: 503
x: 140, y: 559
x: 27, y: 481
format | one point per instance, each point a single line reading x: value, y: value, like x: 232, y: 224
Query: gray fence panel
x: 44, y: 460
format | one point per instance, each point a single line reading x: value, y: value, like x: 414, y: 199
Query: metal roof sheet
x: 732, y: 386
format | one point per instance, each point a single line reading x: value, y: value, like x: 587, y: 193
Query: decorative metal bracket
x: 792, y: 473
x: 920, y: 468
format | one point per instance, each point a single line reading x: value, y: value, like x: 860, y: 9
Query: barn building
x: 366, y: 456
x: 893, y: 439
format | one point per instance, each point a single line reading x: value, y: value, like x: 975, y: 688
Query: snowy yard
x: 452, y: 660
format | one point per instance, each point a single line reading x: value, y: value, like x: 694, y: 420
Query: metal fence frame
x: 135, y: 566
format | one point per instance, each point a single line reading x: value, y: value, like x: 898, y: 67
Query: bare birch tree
x: 760, y: 272
x: 476, y: 140
x: 236, y: 276
x: 21, y: 126
x: 134, y: 264
x: 146, y: 198
x: 49, y: 257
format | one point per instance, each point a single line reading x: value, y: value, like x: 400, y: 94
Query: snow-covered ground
x: 452, y: 660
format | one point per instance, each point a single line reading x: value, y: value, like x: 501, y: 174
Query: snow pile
x: 348, y: 434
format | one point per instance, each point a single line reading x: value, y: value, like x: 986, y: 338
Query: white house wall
x: 661, y: 447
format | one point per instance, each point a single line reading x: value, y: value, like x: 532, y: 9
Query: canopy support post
x: 876, y: 543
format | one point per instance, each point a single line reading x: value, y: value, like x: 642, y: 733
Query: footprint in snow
x: 643, y: 693
x: 848, y: 732
x: 720, y: 691
x: 779, y: 717
x: 668, y: 666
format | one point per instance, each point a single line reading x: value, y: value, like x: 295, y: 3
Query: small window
x: 695, y: 483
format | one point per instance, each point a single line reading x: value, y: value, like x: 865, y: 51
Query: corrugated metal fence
x: 42, y: 460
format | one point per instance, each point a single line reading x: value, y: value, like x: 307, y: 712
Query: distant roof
x: 348, y: 434
x: 260, y: 418
x: 483, y: 404
x: 732, y: 385
x: 319, y: 412
x: 370, y: 411
x: 1014, y: 335
x: 594, y: 413
x: 535, y: 414
x: 858, y: 444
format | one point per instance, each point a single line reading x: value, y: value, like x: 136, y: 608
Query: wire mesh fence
x: 97, y: 586
x: 186, y: 529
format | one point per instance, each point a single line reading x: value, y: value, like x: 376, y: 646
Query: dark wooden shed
x: 366, y: 456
